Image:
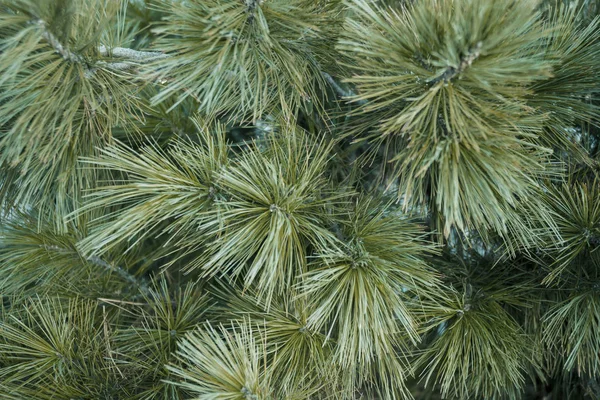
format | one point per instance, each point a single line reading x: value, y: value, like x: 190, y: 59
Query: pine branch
x: 454, y: 140
x: 57, y: 45
x: 59, y: 99
x: 120, y: 271
x: 340, y: 90
x: 226, y: 362
x: 331, y: 294
x: 472, y: 322
x: 465, y: 62
x: 130, y: 54
x: 275, y: 64
x: 157, y: 181
x: 301, y: 356
x: 95, y: 260
x: 133, y: 56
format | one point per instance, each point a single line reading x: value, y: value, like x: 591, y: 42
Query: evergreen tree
x: 299, y: 199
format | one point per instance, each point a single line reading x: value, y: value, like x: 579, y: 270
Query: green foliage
x: 576, y: 210
x: 148, y: 338
x: 223, y: 364
x: 572, y: 332
x: 58, y: 98
x: 479, y: 349
x: 299, y: 356
x: 299, y: 199
x: 567, y: 96
x: 361, y: 294
x: 164, y: 192
x: 453, y: 82
x: 462, y: 358
x: 266, y: 205
x: 275, y: 209
x: 55, y: 350
x: 246, y: 58
x: 34, y: 259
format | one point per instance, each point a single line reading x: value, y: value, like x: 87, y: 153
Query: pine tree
x: 299, y: 199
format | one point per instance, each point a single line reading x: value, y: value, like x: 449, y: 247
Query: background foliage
x: 293, y: 199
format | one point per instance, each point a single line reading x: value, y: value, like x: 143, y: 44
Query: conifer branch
x: 340, y: 90
x: 120, y: 271
x: 99, y: 262
x: 130, y: 54
x: 465, y: 62
x: 57, y: 45
x: 478, y: 119
x: 133, y: 56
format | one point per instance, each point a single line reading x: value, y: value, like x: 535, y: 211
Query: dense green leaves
x: 452, y: 81
x: 58, y: 98
x: 246, y: 58
x: 223, y: 364
x: 358, y: 293
x: 299, y: 356
x: 267, y: 206
x: 299, y: 199
x: 574, y: 254
x: 34, y: 259
x: 572, y: 332
x: 482, y: 353
x: 479, y: 349
x: 275, y: 210
x: 148, y: 337
x: 567, y: 96
x: 161, y: 192
x: 52, y: 350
